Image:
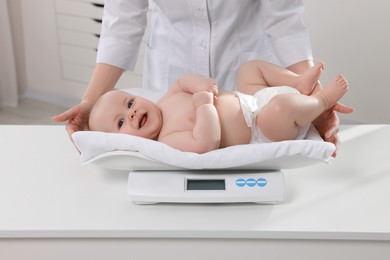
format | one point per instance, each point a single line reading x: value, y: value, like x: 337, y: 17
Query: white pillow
x: 126, y: 152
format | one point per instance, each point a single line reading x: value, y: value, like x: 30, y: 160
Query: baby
x: 272, y: 104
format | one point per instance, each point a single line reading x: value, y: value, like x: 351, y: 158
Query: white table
x: 341, y: 209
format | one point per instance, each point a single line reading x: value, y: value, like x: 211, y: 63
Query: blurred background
x: 48, y: 49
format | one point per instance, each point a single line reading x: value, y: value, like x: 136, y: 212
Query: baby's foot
x: 332, y: 93
x: 308, y: 80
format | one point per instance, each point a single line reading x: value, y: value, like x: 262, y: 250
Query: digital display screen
x: 206, y: 184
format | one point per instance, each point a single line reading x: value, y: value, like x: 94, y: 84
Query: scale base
x: 152, y: 187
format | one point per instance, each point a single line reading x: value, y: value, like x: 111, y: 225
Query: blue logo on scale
x: 240, y: 182
x: 251, y: 182
x: 261, y: 182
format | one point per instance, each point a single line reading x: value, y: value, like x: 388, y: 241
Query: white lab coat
x: 211, y: 38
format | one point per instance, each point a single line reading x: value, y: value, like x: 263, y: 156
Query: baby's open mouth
x: 143, y: 120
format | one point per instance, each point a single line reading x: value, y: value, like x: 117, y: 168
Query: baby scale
x: 151, y: 187
x: 152, y: 182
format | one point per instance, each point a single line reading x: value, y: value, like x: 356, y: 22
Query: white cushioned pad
x: 96, y: 144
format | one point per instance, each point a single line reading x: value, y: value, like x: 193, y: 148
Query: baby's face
x: 120, y: 112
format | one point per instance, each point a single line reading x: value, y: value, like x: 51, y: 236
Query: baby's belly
x: 233, y: 125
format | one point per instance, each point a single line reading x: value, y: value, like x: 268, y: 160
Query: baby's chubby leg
x: 283, y: 116
x: 255, y: 75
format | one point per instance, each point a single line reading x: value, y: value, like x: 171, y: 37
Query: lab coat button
x: 199, y: 12
x: 203, y: 45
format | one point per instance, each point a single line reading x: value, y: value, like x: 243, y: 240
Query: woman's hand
x: 327, y: 124
x: 76, y: 117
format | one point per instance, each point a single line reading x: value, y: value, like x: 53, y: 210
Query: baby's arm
x: 206, y: 134
x: 193, y: 83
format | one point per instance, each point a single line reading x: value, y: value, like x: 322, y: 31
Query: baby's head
x: 119, y: 112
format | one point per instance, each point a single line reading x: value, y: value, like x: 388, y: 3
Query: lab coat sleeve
x: 283, y: 24
x: 123, y: 26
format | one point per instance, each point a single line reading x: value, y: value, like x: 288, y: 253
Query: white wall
x: 8, y: 86
x: 353, y: 38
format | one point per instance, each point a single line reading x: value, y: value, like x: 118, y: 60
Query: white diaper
x: 251, y: 105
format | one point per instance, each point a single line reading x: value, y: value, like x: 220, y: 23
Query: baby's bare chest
x: 178, y: 114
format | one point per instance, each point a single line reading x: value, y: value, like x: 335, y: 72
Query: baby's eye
x: 120, y: 123
x: 130, y: 104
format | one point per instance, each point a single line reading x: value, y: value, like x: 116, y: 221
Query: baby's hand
x: 208, y: 84
x: 202, y: 97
